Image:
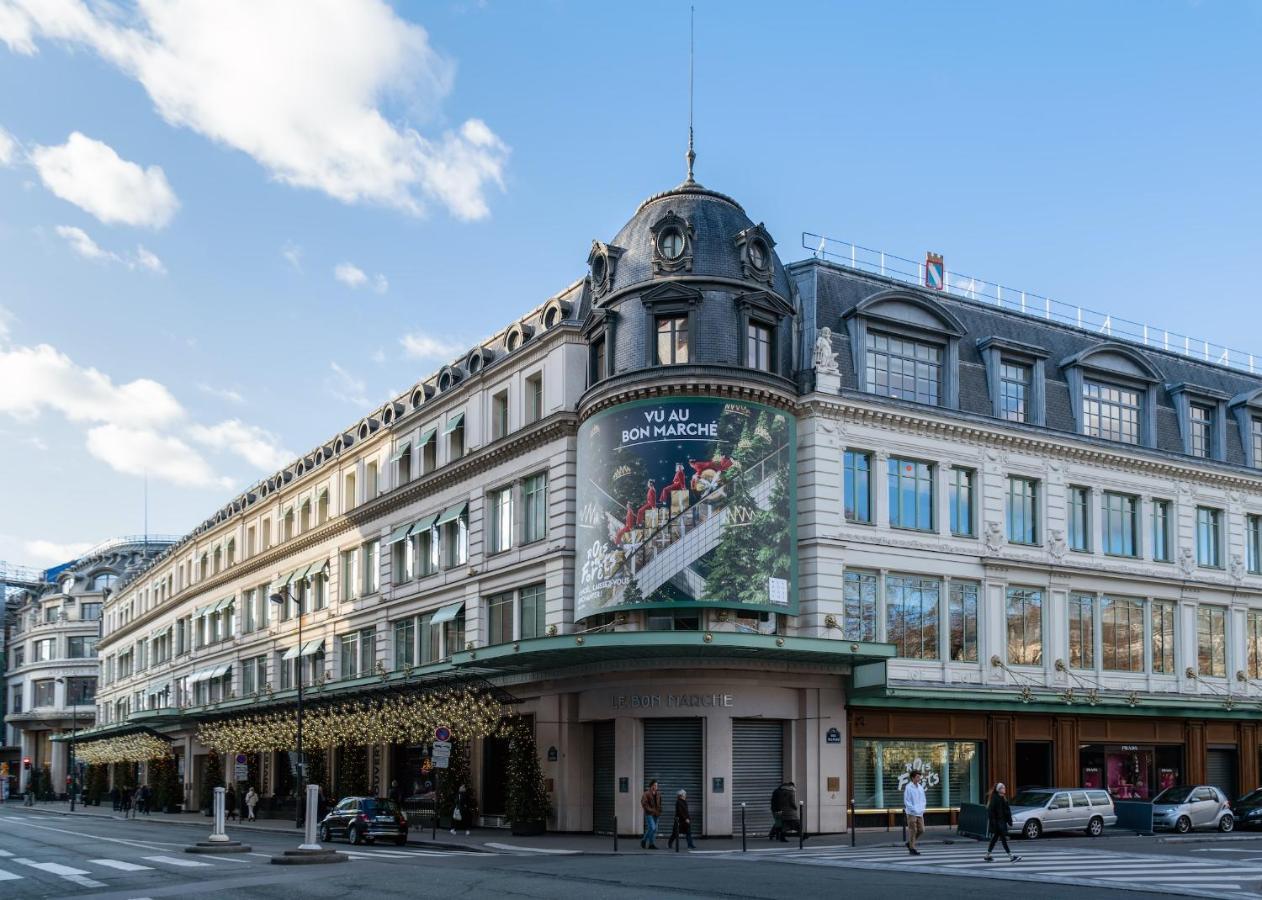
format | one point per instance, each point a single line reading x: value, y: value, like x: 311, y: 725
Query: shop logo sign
x: 928, y: 777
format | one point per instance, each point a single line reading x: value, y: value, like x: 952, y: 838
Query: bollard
x: 218, y: 835
x: 309, y: 820
x: 744, y: 849
x: 852, y: 822
x: 615, y: 834
x: 801, y: 823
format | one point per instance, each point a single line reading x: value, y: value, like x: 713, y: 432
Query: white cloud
x: 8, y: 146
x: 293, y: 255
x: 222, y: 393
x: 355, y: 278
x: 144, y: 451
x: 423, y: 346
x: 258, y: 447
x: 89, y: 174
x: 6, y: 318
x: 296, y: 84
x: 344, y: 386
x: 54, y: 552
x: 83, y: 244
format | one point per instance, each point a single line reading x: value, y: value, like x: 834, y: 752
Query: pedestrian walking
x: 683, y: 822
x: 914, y: 811
x: 460, y: 811
x: 137, y: 798
x: 651, y: 803
x: 115, y: 798
x: 230, y: 804
x: 999, y: 814
x: 145, y: 796
x: 395, y: 794
x: 251, y: 801
x: 784, y: 806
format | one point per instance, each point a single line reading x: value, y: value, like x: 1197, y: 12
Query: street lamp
x: 283, y: 596
x: 74, y: 730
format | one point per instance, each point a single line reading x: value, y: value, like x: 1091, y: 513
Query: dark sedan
x: 1248, y: 810
x: 361, y: 819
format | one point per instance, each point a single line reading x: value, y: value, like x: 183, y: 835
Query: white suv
x: 1036, y: 811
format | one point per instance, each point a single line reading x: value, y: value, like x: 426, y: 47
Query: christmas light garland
x: 127, y: 748
x: 396, y: 719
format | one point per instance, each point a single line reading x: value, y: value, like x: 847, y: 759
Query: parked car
x: 1248, y: 810
x: 361, y: 819
x: 1041, y: 810
x: 1185, y: 807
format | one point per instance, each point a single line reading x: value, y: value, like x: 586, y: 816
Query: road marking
x: 518, y: 849
x: 144, y: 845
x: 263, y: 855
x: 84, y: 881
x: 120, y: 865
x: 174, y: 861
x: 5, y: 853
x: 50, y: 867
x: 9, y: 876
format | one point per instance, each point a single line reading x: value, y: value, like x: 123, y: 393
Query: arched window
x: 287, y: 528
x: 104, y: 580
x: 304, y: 516
x: 232, y: 552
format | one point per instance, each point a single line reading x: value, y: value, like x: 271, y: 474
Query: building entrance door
x: 1034, y: 765
x: 1220, y: 771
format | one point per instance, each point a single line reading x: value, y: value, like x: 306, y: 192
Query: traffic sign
x: 441, y: 749
x: 442, y: 733
x: 440, y: 762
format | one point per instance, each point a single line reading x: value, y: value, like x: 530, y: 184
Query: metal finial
x: 692, y: 156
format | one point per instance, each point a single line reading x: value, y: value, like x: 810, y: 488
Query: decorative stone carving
x: 1186, y: 562
x: 994, y: 537
x: 825, y: 359
x: 1237, y: 568
x: 1057, y: 545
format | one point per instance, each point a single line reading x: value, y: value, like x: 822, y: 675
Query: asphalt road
x: 44, y: 856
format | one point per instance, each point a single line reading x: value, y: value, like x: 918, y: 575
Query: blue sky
x: 179, y: 187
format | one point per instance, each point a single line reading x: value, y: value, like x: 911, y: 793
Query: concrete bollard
x: 218, y: 842
x: 310, y: 852
x: 218, y: 835
x: 313, y: 809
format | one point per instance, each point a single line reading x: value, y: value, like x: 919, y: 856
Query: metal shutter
x: 757, y: 770
x: 603, y: 778
x: 673, y: 751
x: 1220, y: 771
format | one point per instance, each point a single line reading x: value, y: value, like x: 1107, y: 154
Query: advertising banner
x: 687, y: 502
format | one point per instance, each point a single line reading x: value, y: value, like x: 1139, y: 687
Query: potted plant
x: 527, y: 801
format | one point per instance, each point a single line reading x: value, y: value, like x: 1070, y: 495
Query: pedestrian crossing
x: 16, y: 868
x: 1172, y: 874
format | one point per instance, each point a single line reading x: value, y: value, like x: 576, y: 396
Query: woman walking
x: 251, y: 801
x: 683, y: 822
x: 1000, y: 815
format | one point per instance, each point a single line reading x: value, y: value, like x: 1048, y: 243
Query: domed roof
x: 718, y: 230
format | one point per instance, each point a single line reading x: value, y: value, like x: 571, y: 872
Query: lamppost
x: 74, y: 730
x: 283, y: 596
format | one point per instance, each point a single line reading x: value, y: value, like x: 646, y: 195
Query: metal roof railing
x: 990, y: 293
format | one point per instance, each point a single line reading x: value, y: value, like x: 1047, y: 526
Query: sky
x: 231, y: 228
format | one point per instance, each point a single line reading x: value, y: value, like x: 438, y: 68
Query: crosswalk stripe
x: 50, y: 867
x: 84, y: 881
x: 5, y: 853
x: 173, y: 861
x: 121, y: 865
x: 9, y: 876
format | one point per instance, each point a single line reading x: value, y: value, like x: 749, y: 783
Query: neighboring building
x: 51, y: 671
x: 717, y: 521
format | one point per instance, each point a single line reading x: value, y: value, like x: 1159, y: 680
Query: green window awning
x: 292, y: 652
x: 158, y: 687
x: 202, y: 610
x: 427, y: 436
x: 425, y: 524
x: 400, y: 533
x: 224, y: 603
x: 220, y: 671
x: 401, y: 452
x: 447, y: 613
x: 453, y: 423
x: 312, y: 647
x: 451, y: 513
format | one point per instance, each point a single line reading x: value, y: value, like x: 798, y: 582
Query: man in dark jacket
x: 683, y: 821
x: 784, y: 807
x: 1000, y: 815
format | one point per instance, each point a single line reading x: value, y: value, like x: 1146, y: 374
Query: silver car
x: 1182, y: 809
x: 1036, y: 811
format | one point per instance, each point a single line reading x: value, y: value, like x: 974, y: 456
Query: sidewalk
x: 496, y: 839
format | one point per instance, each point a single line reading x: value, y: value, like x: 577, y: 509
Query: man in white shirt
x: 914, y: 811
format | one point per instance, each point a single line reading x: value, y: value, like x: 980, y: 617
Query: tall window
x: 672, y: 340
x: 1023, y: 510
x: 859, y: 599
x: 1253, y: 544
x: 1201, y: 426
x: 372, y: 484
x: 1253, y: 640
x: 598, y: 359
x: 962, y: 613
x: 961, y: 485
x: 1080, y: 519
x: 534, y: 398
x: 858, y: 487
x: 533, y: 613
x: 911, y: 494
x: 499, y: 415
x: 89, y: 612
x: 1211, y: 640
x: 403, y: 563
x: 1025, y: 627
x: 535, y: 497
x: 358, y: 652
x: 1082, y: 631
x: 428, y: 548
x: 1209, y: 537
x: 455, y: 537
x: 1121, y: 524
x: 501, y: 519
x: 1110, y: 412
x: 1122, y: 634
x: 499, y: 612
x: 81, y: 647
x: 903, y: 368
x: 1014, y: 391
x: 911, y: 615
x: 372, y: 567
x: 758, y: 346
x: 1255, y: 435
x: 1162, y: 548
x: 1162, y: 623
x: 404, y: 643
x: 351, y: 579
x: 44, y: 692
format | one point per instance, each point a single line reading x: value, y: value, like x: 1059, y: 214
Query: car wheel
x: 401, y: 840
x: 1095, y: 827
x: 1226, y: 823
x: 1031, y: 830
x: 326, y: 836
x: 1184, y: 825
x: 356, y: 835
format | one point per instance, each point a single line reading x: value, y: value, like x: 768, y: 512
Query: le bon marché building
x: 710, y: 519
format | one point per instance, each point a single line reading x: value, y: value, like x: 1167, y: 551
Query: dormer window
x: 754, y: 246
x: 1111, y: 412
x: 1113, y: 389
x: 1202, y: 416
x: 758, y: 256
x: 602, y: 262
x: 1015, y: 377
x: 1201, y: 430
x: 908, y: 348
x: 672, y: 244
x: 903, y: 368
x: 1247, y: 408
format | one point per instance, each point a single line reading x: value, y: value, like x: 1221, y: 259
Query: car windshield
x: 1252, y: 797
x: 379, y: 807
x: 1032, y: 798
x: 1173, y: 795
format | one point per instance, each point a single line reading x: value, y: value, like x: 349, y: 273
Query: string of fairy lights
x: 125, y: 748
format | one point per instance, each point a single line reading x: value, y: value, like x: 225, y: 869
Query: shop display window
x: 952, y: 772
x: 1131, y: 772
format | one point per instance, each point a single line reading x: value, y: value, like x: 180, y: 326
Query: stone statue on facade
x: 825, y: 359
x: 994, y: 537
x: 1057, y: 546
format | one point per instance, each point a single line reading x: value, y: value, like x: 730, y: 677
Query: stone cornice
x: 684, y: 381
x: 557, y: 426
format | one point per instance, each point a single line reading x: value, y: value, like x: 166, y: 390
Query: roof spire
x: 692, y: 156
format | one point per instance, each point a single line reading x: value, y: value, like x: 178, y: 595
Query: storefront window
x: 911, y: 615
x: 1130, y: 772
x: 963, y: 614
x: 860, y: 606
x: 1025, y: 627
x: 1082, y: 631
x: 951, y: 771
x: 1122, y: 634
